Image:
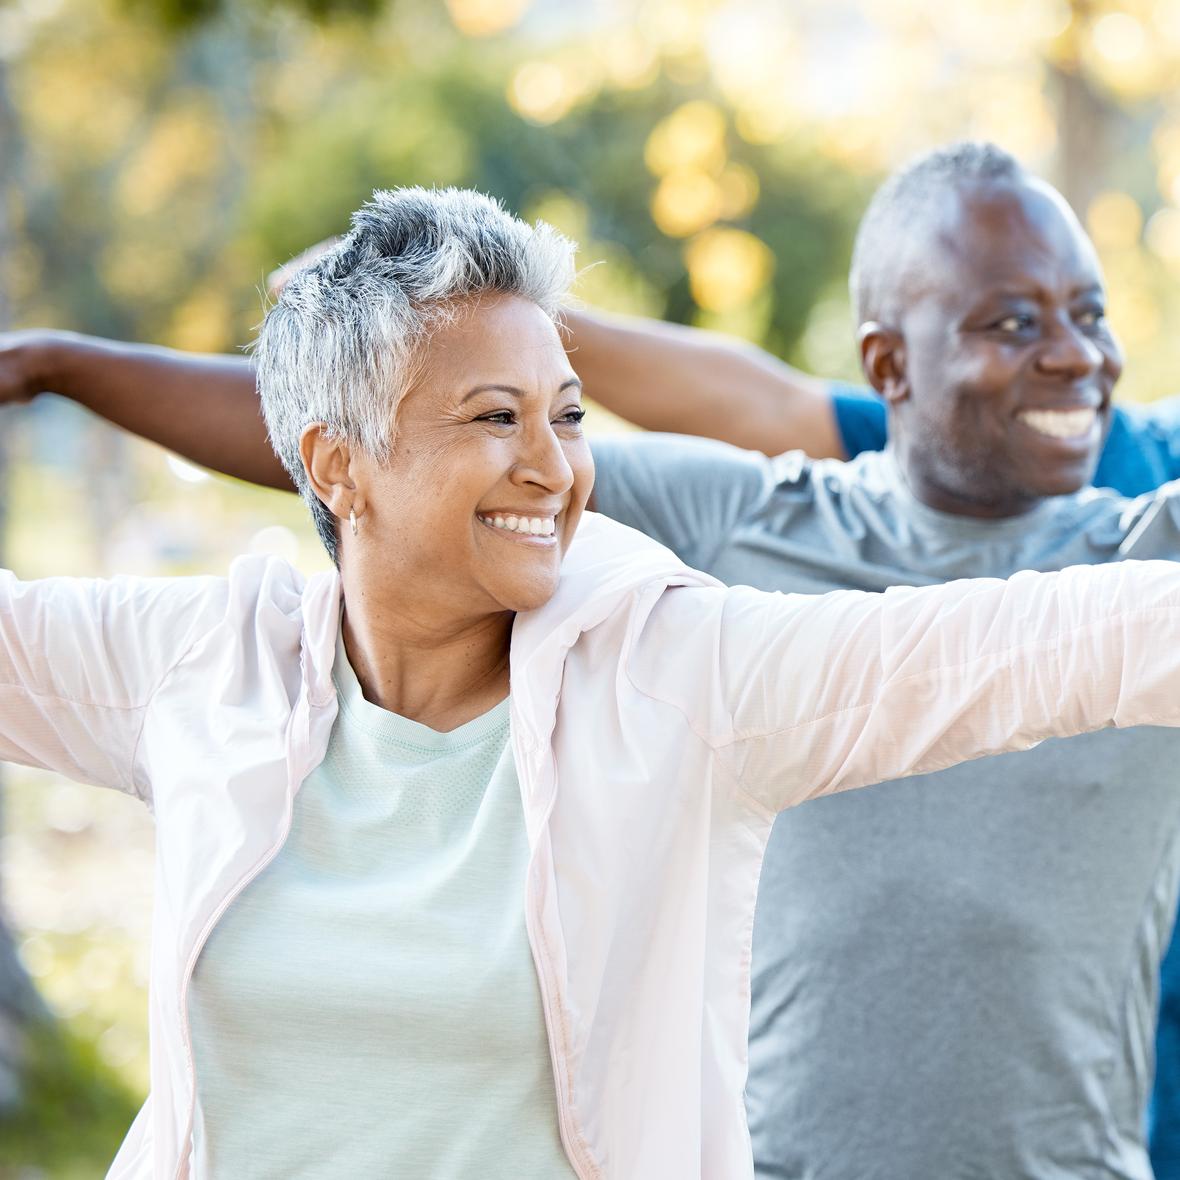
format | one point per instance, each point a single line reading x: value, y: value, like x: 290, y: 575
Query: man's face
x: 1007, y: 364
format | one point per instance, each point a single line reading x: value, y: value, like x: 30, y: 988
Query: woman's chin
x: 531, y: 595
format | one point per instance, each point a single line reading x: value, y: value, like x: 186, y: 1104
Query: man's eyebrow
x: 572, y: 383
x: 1038, y: 290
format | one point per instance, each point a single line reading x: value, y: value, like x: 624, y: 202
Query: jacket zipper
x: 544, y: 977
x: 564, y: 1116
x: 190, y: 966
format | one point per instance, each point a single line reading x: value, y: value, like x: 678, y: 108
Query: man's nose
x: 1070, y: 353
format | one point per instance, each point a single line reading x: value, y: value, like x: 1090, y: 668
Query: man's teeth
x: 1060, y: 423
x: 538, y: 526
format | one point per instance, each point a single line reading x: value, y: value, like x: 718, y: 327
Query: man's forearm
x: 668, y: 377
x: 203, y: 407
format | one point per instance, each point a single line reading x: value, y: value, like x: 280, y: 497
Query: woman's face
x: 490, y: 469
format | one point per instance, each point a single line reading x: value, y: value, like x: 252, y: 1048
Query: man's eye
x: 1091, y: 317
x: 1018, y: 322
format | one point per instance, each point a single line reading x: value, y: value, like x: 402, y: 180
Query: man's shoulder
x: 846, y: 487
x: 674, y: 455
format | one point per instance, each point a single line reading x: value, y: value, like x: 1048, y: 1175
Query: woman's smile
x: 531, y: 529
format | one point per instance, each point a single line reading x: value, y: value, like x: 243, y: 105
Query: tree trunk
x: 1088, y: 124
x: 20, y: 1004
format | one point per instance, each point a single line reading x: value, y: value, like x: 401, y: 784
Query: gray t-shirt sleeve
x: 687, y: 493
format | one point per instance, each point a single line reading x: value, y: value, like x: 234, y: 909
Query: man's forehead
x: 1008, y: 235
x: 997, y: 227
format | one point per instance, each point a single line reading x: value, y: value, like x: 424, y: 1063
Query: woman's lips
x: 535, y: 528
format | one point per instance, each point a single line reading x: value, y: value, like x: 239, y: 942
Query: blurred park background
x: 159, y: 157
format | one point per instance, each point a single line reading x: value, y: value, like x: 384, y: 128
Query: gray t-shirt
x: 955, y: 976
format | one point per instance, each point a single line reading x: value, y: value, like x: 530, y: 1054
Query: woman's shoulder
x: 271, y: 596
x: 606, y: 566
x: 263, y: 598
x: 264, y: 613
x: 266, y: 579
x: 607, y: 571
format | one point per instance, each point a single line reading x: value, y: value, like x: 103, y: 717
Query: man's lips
x: 1074, y: 423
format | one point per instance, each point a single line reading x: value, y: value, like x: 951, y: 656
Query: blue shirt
x: 1142, y: 451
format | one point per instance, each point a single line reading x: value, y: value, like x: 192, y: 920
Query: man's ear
x: 883, y: 360
x: 327, y: 462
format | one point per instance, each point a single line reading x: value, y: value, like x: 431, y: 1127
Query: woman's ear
x: 328, y: 463
x: 883, y: 360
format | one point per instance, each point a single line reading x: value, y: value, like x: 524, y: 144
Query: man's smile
x: 1073, y: 423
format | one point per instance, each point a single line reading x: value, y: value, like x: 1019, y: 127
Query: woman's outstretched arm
x: 201, y: 406
x: 812, y: 695
x: 80, y: 662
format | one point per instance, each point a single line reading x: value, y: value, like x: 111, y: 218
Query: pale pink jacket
x: 658, y: 722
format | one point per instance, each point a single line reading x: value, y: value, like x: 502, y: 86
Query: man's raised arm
x: 202, y: 407
x: 659, y: 376
x: 688, y: 381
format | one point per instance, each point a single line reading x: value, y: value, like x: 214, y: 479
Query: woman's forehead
x: 509, y: 341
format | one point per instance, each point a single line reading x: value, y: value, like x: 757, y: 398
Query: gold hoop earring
x: 352, y: 520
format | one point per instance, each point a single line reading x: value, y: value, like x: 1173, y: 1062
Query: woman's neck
x: 413, y: 661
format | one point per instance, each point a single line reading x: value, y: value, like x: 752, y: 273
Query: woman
x: 458, y: 847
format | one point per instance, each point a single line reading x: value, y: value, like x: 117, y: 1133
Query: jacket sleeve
x: 79, y: 662
x: 842, y: 690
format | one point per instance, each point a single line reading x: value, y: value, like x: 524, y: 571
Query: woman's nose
x: 543, y: 460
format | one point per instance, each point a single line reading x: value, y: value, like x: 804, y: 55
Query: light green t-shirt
x: 368, y: 1005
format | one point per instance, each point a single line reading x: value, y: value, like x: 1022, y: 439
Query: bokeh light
x: 727, y: 267
x: 484, y: 18
x: 1114, y: 220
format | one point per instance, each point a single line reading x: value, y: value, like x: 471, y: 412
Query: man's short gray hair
x: 344, y: 341
x: 891, y: 232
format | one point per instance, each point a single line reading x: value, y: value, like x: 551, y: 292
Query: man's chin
x: 1062, y: 480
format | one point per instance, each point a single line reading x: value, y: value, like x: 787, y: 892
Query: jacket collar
x: 606, y: 562
x: 322, y: 603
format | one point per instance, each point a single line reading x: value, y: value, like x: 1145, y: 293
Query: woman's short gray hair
x: 342, y: 344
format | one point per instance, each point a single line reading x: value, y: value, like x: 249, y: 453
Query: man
x: 953, y: 982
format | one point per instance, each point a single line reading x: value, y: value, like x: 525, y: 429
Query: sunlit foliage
x: 711, y: 156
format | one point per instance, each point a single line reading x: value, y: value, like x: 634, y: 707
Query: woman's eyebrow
x: 571, y: 383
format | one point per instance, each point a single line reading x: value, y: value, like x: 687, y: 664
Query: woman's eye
x: 1091, y: 317
x: 499, y: 418
x: 572, y: 417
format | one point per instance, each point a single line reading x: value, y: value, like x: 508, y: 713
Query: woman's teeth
x: 1060, y: 423
x: 537, y: 526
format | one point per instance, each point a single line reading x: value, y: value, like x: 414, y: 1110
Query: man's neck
x: 940, y: 496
